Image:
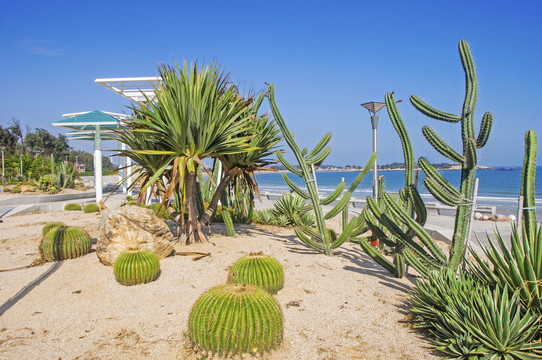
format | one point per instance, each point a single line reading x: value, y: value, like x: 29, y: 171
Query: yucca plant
x: 471, y: 320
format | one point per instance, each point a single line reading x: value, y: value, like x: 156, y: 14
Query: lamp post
x: 374, y: 107
x: 2, y: 148
x: 21, y: 158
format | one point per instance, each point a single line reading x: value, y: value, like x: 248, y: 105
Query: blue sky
x: 325, y: 58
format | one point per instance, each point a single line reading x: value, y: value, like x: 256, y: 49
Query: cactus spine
x: 259, y: 270
x: 236, y: 319
x: 527, y: 184
x: 318, y: 239
x: 136, y: 267
x: 439, y: 187
x: 63, y: 243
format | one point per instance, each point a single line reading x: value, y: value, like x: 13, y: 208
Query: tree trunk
x: 193, y: 230
x: 224, y: 183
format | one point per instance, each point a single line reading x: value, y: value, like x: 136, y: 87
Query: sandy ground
x: 335, y: 307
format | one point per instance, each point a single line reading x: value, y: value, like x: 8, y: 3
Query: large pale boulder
x: 132, y: 227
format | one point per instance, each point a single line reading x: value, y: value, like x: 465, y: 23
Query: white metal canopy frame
x: 96, y: 126
x: 132, y: 88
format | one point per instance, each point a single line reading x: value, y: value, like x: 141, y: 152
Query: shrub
x: 264, y: 217
x: 65, y: 243
x: 135, y: 267
x: 90, y: 208
x: 50, y: 226
x: 290, y: 206
x: 72, y: 207
x: 259, y: 270
x: 129, y: 198
x: 53, y: 190
x: 16, y: 190
x: 236, y: 319
x: 469, y: 319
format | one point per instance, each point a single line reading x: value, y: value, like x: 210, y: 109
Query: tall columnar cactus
x: 236, y: 319
x: 409, y: 203
x: 527, y: 184
x: 63, y: 243
x: 133, y: 267
x: 259, y: 270
x: 318, y: 239
x: 436, y: 184
x: 226, y: 216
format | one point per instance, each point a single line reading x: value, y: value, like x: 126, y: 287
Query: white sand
x: 335, y: 307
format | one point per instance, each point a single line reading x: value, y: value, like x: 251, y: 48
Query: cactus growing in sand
x: 259, y: 270
x: 72, y: 207
x: 50, y: 226
x: 441, y: 189
x: 236, y: 319
x: 133, y: 267
x: 318, y: 238
x: 90, y: 208
x: 63, y: 243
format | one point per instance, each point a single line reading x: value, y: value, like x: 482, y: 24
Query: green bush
x: 72, y: 207
x: 16, y: 190
x: 129, y: 198
x: 471, y: 320
x: 264, y: 217
x: 90, y: 208
x: 52, y: 190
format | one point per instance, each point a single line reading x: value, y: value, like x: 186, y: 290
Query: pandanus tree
x: 197, y: 113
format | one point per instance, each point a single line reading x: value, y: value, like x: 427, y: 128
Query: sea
x: 496, y: 187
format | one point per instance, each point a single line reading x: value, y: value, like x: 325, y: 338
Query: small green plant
x: 129, y: 198
x: 471, y: 320
x: 63, y: 243
x: 52, y: 190
x: 16, y: 190
x: 72, y: 207
x: 50, y: 226
x: 281, y: 221
x: 133, y: 267
x: 236, y: 319
x: 259, y: 270
x: 90, y: 208
x: 291, y: 206
x: 264, y: 217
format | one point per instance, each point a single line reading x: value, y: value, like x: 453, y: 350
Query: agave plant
x: 291, y: 206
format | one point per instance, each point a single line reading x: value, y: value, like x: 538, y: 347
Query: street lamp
x: 374, y: 107
x: 2, y: 148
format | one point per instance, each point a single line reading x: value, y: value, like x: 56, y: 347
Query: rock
x: 27, y: 188
x: 485, y: 217
x: 132, y: 227
x: 477, y: 216
x: 512, y: 218
x: 114, y: 203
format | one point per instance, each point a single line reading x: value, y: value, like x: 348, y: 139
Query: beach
x: 335, y: 307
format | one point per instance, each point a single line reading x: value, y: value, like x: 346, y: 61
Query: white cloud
x: 41, y: 47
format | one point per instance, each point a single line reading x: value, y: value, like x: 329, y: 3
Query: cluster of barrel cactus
x: 318, y: 238
x: 62, y: 242
x: 50, y: 226
x: 241, y: 316
x: 133, y: 267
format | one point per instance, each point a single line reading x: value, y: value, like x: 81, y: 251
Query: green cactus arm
x: 287, y: 165
x: 384, y: 220
x: 485, y: 129
x: 416, y: 228
x: 334, y: 195
x: 344, y: 220
x: 439, y: 145
x: 308, y: 241
x: 345, y: 235
x: 471, y: 90
x: 339, y: 207
x: 294, y: 187
x: 377, y: 231
x: 418, y: 204
x: 432, y: 112
x: 363, y: 173
x: 408, y: 154
x: 416, y: 263
x: 470, y: 154
x: 361, y: 226
x: 440, y: 193
x: 320, y: 146
x: 439, y: 185
x: 376, y: 256
x: 527, y: 189
x: 318, y: 159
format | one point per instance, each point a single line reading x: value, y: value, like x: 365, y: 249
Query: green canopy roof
x: 90, y: 120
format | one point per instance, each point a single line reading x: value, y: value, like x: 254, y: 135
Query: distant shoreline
x: 455, y: 167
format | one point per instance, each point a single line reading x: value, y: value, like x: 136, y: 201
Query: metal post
x: 21, y: 157
x: 122, y: 173
x: 3, y: 178
x: 98, y: 165
x: 374, y: 123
